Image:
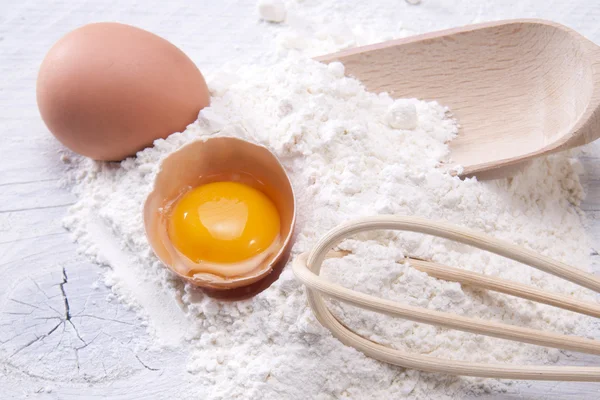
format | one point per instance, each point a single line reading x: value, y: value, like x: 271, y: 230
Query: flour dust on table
x: 349, y: 153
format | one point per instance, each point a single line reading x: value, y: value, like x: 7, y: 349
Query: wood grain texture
x: 520, y: 88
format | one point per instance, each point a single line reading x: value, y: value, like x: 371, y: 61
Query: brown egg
x: 108, y: 90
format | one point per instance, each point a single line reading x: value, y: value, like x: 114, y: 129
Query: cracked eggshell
x: 191, y: 166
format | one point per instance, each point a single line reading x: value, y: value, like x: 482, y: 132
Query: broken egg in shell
x: 221, y: 216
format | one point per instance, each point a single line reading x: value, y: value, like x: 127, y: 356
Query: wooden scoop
x: 519, y: 89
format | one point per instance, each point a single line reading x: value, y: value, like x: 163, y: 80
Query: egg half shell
x: 189, y: 167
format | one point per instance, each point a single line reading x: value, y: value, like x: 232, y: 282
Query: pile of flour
x: 349, y: 153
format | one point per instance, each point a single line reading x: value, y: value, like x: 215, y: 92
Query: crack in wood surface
x: 35, y: 208
x: 64, y: 294
x: 28, y: 182
x: 144, y: 365
x: 79, y: 315
x: 37, y: 339
x: 25, y: 303
x: 67, y: 317
x: 22, y: 239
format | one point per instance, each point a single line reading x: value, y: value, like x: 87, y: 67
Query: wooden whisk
x: 307, y: 266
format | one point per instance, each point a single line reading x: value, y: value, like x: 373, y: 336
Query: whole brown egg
x: 107, y: 90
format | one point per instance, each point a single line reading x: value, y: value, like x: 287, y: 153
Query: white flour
x: 349, y: 153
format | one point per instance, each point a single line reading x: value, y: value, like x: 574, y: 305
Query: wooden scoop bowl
x: 519, y: 89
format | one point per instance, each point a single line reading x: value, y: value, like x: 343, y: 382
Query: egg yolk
x: 223, y: 222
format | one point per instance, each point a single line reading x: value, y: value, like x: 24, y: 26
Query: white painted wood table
x: 62, y: 335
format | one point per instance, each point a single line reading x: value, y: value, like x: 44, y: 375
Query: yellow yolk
x: 223, y: 222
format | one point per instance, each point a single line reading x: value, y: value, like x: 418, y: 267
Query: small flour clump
x: 402, y: 114
x: 271, y: 10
